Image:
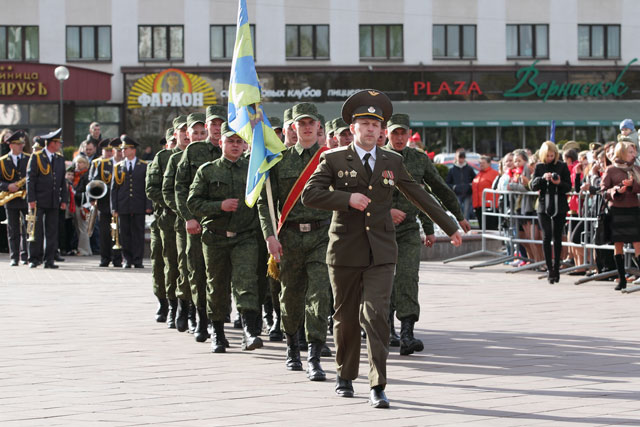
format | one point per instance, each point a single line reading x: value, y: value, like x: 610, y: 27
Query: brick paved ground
x: 79, y: 347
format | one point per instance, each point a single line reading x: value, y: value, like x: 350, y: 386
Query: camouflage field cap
x: 328, y: 128
x: 180, y: 122
x: 226, y: 131
x: 304, y: 110
x: 216, y: 112
x: 399, y: 120
x: 169, y: 134
x: 321, y: 120
x: 368, y: 103
x: 339, y: 126
x: 288, y: 118
x: 195, y: 118
x: 276, y: 123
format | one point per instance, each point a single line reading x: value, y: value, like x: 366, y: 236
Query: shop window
x: 454, y: 41
x: 462, y: 137
x: 108, y: 116
x: 381, y: 42
x: 527, y: 41
x: 307, y: 41
x: 599, y: 41
x: 222, y: 40
x: 89, y: 43
x: 160, y: 42
x: 434, y: 139
x: 486, y: 142
x: 535, y: 136
x: 19, y: 43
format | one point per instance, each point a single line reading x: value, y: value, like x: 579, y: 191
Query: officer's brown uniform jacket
x: 362, y: 238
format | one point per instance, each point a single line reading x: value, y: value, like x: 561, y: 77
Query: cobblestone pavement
x: 80, y: 346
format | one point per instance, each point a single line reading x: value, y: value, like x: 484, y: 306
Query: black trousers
x: 107, y: 254
x: 46, y: 235
x: 552, y: 228
x: 17, y: 233
x: 132, y: 237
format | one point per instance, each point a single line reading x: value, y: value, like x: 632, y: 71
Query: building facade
x: 488, y: 75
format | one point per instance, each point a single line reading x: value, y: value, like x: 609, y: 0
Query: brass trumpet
x: 31, y: 224
x: 96, y: 189
x: 6, y: 196
x: 115, y: 233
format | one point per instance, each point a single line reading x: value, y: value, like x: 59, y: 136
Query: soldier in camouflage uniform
x: 301, y: 249
x: 185, y: 316
x: 228, y: 240
x: 290, y: 135
x: 404, y: 298
x: 164, y: 255
x: 341, y: 132
x: 195, y: 155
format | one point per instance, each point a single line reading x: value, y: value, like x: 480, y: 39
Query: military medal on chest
x: 388, y: 177
x: 353, y: 174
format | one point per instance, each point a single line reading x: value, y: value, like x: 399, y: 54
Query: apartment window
x: 528, y: 41
x: 381, y: 41
x: 598, y: 41
x: 222, y: 39
x: 89, y: 43
x: 19, y: 43
x: 454, y: 41
x: 307, y: 41
x: 160, y: 42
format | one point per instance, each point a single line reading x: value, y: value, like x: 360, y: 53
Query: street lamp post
x: 62, y: 74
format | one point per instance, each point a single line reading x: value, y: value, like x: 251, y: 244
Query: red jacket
x: 484, y: 179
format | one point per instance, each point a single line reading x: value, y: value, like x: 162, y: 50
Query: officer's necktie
x: 16, y: 160
x: 367, y: 166
x: 129, y: 169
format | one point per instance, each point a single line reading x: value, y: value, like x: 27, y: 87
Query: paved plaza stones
x: 79, y: 346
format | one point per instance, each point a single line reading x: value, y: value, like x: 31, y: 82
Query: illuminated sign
x: 171, y: 88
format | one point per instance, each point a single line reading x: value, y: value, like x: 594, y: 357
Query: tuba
x: 95, y: 190
x: 6, y: 196
x: 31, y: 224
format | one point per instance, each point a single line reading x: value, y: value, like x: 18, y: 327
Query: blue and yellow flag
x: 246, y: 116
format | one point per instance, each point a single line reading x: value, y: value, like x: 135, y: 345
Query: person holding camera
x: 553, y: 180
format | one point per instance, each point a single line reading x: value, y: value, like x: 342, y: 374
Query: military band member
x: 357, y: 183
x: 129, y: 203
x: 47, y: 194
x: 404, y: 298
x: 198, y: 152
x: 164, y: 254
x: 102, y: 169
x: 12, y: 180
x: 228, y: 240
x: 300, y: 246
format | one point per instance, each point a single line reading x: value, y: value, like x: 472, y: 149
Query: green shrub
x: 68, y: 152
x: 442, y: 170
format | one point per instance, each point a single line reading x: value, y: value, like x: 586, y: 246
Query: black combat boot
x: 251, y: 321
x: 408, y: 343
x: 325, y: 351
x: 171, y: 314
x: 161, y: 312
x: 302, y: 338
x: 622, y: 274
x: 268, y: 314
x: 293, y: 353
x: 201, y: 334
x: 218, y: 340
x: 192, y: 318
x: 394, y: 338
x: 237, y: 322
x: 314, y: 370
x: 275, y: 333
x: 182, y: 315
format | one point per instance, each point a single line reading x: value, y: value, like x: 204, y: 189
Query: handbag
x: 603, y: 228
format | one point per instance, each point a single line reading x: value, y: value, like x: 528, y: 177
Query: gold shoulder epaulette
x: 143, y: 161
x: 6, y: 156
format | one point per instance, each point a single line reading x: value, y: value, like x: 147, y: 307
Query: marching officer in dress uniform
x: 129, y: 203
x: 300, y: 245
x: 13, y: 179
x: 47, y: 194
x: 102, y: 169
x: 357, y: 182
x: 198, y: 152
x: 404, y: 298
x: 228, y: 241
x: 164, y: 254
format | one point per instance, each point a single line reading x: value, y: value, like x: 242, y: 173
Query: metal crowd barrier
x: 509, y: 224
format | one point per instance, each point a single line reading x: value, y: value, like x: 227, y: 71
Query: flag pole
x: 272, y: 211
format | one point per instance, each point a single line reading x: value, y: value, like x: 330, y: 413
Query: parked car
x: 473, y: 159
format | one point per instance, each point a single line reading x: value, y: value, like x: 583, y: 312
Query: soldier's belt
x: 227, y: 234
x: 306, y: 227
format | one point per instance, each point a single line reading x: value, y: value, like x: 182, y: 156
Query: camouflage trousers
x: 264, y: 291
x: 304, y: 279
x: 166, y: 223
x: 231, y: 264
x: 183, y: 290
x: 157, y: 263
x: 404, y: 297
x: 197, y: 270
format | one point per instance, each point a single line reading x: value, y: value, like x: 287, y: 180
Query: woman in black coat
x: 553, y: 180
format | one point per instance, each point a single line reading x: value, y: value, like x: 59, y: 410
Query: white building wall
x: 490, y: 36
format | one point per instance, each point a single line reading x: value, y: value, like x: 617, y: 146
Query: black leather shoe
x: 50, y: 265
x: 138, y: 266
x: 377, y: 398
x: 25, y: 262
x: 58, y: 258
x: 33, y: 264
x: 104, y: 264
x: 344, y: 388
x: 117, y: 264
x: 14, y: 263
x: 126, y: 266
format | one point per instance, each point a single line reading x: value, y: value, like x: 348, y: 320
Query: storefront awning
x: 498, y: 113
